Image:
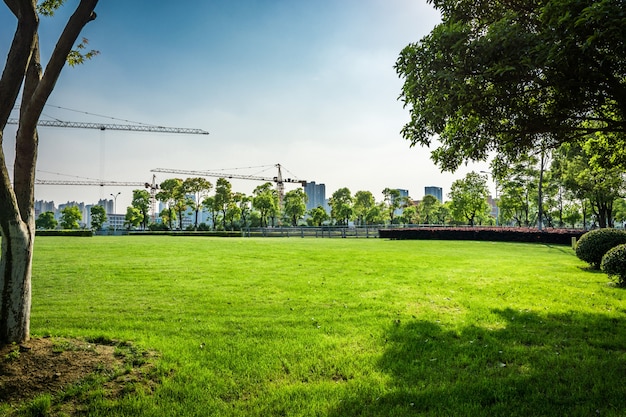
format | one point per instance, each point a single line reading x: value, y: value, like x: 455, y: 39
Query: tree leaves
x: 512, y: 76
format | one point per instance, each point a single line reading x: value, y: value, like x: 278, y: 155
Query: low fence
x: 316, y: 232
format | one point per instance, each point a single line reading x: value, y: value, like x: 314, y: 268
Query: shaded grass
x: 264, y: 327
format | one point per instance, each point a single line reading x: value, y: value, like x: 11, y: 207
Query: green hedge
x: 614, y: 264
x: 77, y: 233
x: 592, y: 246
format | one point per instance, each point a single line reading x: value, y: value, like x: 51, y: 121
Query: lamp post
x: 495, y: 180
x: 115, y: 208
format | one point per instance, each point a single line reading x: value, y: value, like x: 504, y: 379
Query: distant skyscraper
x: 434, y: 191
x: 316, y: 194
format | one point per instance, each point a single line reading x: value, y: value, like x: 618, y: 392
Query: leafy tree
x: 318, y: 215
x: 223, y: 197
x: 512, y: 77
x: 341, y: 209
x: 469, y: 197
x: 518, y: 186
x: 392, y: 199
x: 409, y: 215
x: 265, y: 200
x: 363, y: 202
x: 70, y: 216
x: 619, y: 210
x: 181, y: 204
x: 581, y: 173
x: 244, y: 202
x: 571, y: 214
x: 209, y: 204
x: 171, y: 191
x: 233, y: 211
x: 375, y: 214
x: 98, y: 217
x: 24, y: 75
x: 134, y: 217
x: 168, y: 216
x: 427, y: 208
x: 199, y: 187
x: 443, y: 213
x: 294, y: 205
x: 46, y: 221
x: 141, y: 201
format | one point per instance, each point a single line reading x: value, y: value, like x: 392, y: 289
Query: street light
x: 115, y: 202
x: 115, y: 209
x: 495, y: 180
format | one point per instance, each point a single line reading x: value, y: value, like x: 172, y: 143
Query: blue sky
x: 307, y: 84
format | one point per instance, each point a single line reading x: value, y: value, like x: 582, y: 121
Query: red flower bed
x: 496, y: 234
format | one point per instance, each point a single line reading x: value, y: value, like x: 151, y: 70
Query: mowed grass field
x: 342, y: 327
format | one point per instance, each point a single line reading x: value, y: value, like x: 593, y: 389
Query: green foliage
x: 294, y: 205
x: 614, y: 263
x: 48, y: 7
x: 318, y: 216
x: 13, y: 354
x: 510, y: 77
x: 139, y: 212
x: 38, y: 407
x: 469, y: 198
x: 77, y: 56
x: 592, y: 246
x: 265, y: 200
x: 46, y: 220
x: 341, y: 206
x: 98, y: 217
x: 70, y: 216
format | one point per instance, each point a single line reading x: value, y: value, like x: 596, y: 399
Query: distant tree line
x: 567, y: 187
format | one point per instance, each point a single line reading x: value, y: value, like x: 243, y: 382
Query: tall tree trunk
x: 17, y: 223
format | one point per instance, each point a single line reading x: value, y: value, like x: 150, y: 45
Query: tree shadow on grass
x: 530, y: 365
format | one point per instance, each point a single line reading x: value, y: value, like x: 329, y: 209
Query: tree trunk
x: 15, y: 263
x: 17, y: 223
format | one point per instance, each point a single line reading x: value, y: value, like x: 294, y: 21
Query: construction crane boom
x: 279, y: 180
x: 109, y: 126
x: 91, y: 183
x: 153, y: 187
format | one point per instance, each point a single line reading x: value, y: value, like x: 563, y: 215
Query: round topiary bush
x: 594, y: 244
x: 614, y: 264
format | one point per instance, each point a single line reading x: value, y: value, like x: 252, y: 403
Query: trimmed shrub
x: 614, y: 264
x: 594, y: 244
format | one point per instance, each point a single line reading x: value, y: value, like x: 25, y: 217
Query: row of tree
x: 571, y: 186
x: 568, y: 187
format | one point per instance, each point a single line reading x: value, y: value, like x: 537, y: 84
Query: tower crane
x: 278, y: 179
x: 134, y: 127
x: 112, y: 126
x: 153, y: 187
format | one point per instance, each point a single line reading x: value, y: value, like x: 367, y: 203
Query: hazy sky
x: 307, y: 84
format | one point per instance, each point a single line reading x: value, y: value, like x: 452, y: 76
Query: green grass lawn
x: 343, y: 327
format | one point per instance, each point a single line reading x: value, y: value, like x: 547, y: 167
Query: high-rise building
x: 316, y: 194
x: 434, y: 191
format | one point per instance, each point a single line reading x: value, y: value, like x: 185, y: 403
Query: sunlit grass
x: 343, y: 327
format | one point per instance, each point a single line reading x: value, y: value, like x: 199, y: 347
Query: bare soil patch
x: 51, y: 365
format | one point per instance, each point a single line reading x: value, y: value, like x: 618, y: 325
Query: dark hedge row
x: 79, y: 233
x: 496, y: 234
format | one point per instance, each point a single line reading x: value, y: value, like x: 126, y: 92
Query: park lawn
x: 342, y: 327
